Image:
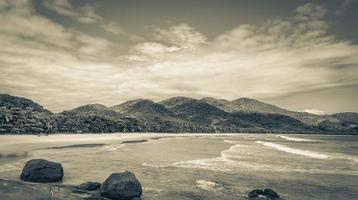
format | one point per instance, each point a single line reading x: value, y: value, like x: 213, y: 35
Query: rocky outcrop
x: 121, y: 186
x: 266, y: 194
x: 42, y: 171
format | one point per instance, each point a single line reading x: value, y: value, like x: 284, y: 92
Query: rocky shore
x: 40, y: 181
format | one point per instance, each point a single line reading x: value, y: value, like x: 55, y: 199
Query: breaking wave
x: 211, y: 185
x: 294, y: 151
x: 113, y: 148
x: 296, y: 139
x: 242, y: 157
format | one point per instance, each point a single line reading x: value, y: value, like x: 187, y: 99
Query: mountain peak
x: 10, y: 101
x: 90, y: 107
x: 175, y: 101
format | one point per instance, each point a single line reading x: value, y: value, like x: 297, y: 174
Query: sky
x: 299, y: 55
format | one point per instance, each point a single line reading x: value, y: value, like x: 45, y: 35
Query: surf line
x: 294, y: 151
x: 296, y: 139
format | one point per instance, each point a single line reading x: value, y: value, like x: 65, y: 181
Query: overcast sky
x: 300, y: 55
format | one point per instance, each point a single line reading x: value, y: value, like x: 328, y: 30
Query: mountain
x: 21, y: 115
x: 252, y: 105
x: 93, y: 109
x: 198, y: 111
x: 177, y: 114
x: 8, y: 101
x: 93, y: 118
x: 218, y: 120
x: 222, y: 104
x: 142, y: 108
x: 174, y: 101
x: 347, y: 117
x: 152, y: 117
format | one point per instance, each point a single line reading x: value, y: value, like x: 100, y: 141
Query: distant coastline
x: 175, y: 115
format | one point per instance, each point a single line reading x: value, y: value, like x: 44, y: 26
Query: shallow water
x: 200, y: 166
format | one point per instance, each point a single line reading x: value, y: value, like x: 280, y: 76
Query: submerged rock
x: 266, y: 194
x: 121, y: 186
x: 42, y: 171
x: 89, y: 186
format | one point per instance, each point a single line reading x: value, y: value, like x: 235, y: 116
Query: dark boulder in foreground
x: 42, y: 171
x: 121, y: 186
x: 266, y: 194
x: 89, y: 186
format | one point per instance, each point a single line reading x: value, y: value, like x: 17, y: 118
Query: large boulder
x: 266, y: 194
x: 42, y: 171
x: 121, y: 186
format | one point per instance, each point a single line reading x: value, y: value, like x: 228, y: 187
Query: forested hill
x: 178, y: 114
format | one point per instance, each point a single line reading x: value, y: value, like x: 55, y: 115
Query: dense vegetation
x: 179, y: 114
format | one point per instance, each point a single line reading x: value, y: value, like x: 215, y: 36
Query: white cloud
x: 315, y: 111
x: 183, y: 36
x: 113, y: 28
x: 85, y: 14
x: 62, y: 68
x: 310, y: 11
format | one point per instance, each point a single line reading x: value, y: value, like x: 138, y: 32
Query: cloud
x: 85, y: 14
x: 62, y: 68
x: 183, y: 36
x: 114, y: 28
x: 310, y: 11
x: 315, y: 111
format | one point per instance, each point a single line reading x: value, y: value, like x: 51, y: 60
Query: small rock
x: 271, y: 194
x: 89, y: 186
x: 42, y: 171
x: 121, y: 186
x: 266, y: 194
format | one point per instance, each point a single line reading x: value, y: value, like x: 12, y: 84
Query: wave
x: 242, y: 157
x: 113, y: 148
x: 296, y: 139
x: 156, y: 165
x: 211, y: 185
x: 294, y: 151
x: 230, y: 141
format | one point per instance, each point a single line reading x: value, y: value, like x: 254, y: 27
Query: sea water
x: 199, y: 166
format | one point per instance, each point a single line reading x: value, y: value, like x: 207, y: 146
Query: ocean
x: 199, y: 166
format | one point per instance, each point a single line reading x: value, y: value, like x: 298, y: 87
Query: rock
x: 42, y: 171
x: 89, y: 186
x: 19, y: 190
x: 266, y: 194
x: 271, y: 194
x: 121, y: 186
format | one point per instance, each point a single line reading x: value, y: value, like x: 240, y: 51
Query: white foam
x: 156, y: 165
x: 225, y: 162
x: 296, y: 139
x: 209, y: 185
x: 294, y: 151
x: 230, y: 141
x: 234, y: 158
x: 113, y: 148
x: 110, y: 149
